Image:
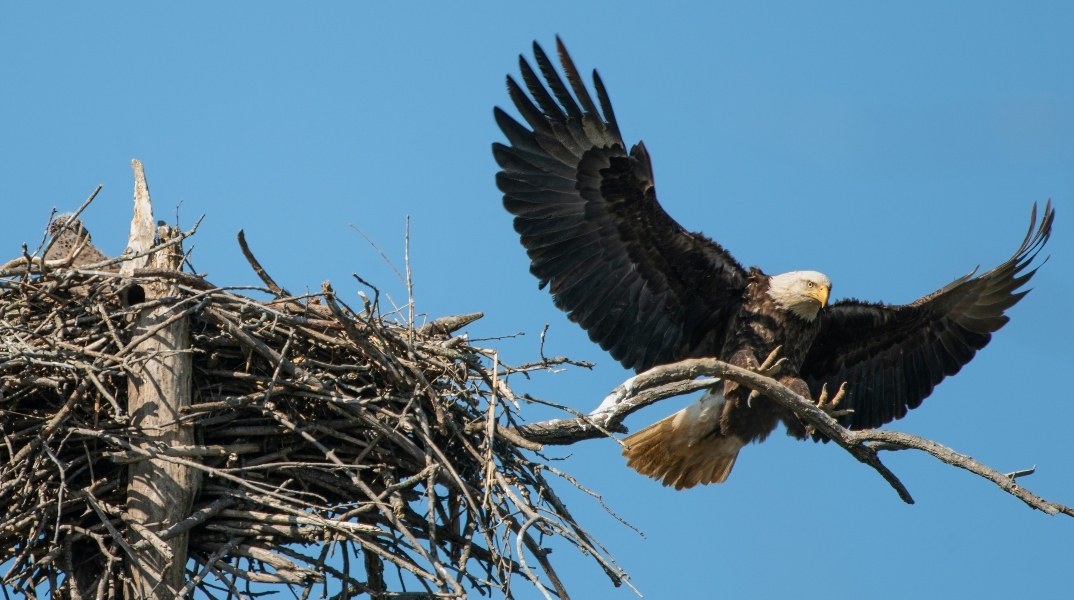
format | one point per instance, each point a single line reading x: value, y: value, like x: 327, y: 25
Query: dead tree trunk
x: 159, y: 493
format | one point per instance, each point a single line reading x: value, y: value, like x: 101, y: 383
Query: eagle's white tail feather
x: 686, y: 448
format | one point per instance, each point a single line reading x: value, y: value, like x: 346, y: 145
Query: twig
x: 381, y: 252
x: 1022, y: 473
x: 280, y: 292
x: 409, y: 282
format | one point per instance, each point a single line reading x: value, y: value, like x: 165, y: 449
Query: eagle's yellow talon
x: 769, y: 368
x: 772, y: 364
x: 829, y: 407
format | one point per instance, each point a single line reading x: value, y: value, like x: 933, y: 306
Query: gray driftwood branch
x: 681, y: 378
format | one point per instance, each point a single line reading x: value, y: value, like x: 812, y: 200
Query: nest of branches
x: 334, y: 447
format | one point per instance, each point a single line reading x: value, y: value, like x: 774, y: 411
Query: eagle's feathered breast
x: 759, y: 326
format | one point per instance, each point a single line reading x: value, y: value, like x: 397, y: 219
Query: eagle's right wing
x: 645, y: 289
x: 891, y: 357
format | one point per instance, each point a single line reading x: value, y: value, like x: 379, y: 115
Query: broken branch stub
x: 160, y: 493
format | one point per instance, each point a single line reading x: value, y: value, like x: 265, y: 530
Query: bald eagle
x: 650, y: 292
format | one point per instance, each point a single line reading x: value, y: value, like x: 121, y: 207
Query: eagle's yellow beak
x: 821, y: 294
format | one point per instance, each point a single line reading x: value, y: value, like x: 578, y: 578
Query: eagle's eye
x: 809, y: 284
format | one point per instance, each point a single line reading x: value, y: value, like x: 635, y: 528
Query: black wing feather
x: 892, y: 357
x: 574, y: 78
x: 554, y: 82
x: 644, y: 288
x: 605, y: 105
x: 533, y: 115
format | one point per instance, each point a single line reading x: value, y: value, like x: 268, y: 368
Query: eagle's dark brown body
x: 650, y: 292
x: 755, y: 331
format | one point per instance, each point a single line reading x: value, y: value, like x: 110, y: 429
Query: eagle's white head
x: 803, y: 293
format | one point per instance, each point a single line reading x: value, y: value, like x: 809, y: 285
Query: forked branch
x: 681, y: 378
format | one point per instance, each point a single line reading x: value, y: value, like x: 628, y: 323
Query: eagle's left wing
x: 645, y: 289
x: 891, y: 357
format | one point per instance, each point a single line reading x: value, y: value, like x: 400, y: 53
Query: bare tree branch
x: 679, y: 378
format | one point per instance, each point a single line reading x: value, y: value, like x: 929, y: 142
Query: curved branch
x: 1006, y: 482
x: 679, y: 378
x: 609, y: 416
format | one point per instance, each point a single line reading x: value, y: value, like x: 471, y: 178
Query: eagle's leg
x: 769, y: 368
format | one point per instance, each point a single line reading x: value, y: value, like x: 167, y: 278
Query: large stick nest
x: 325, y: 435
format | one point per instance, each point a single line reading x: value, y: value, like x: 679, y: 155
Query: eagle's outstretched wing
x: 892, y: 356
x: 645, y: 289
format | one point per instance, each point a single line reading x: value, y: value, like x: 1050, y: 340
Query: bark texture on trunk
x: 159, y: 493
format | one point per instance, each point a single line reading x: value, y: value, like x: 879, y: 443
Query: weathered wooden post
x: 159, y: 493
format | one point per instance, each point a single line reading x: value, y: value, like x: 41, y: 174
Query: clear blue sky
x: 892, y: 148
